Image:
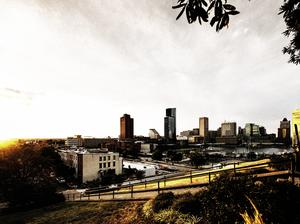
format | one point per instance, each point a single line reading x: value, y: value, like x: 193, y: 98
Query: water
x: 243, y: 150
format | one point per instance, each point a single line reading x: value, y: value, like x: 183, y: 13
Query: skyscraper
x: 284, y: 132
x: 126, y: 127
x: 228, y: 129
x: 295, y: 120
x: 203, y: 127
x: 170, y: 125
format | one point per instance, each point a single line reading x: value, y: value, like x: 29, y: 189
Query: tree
x: 26, y: 178
x: 157, y: 155
x: 174, y: 156
x: 60, y: 169
x: 197, y: 159
x: 201, y: 10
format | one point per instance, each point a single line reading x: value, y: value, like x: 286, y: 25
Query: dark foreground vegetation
x: 224, y: 201
x: 28, y: 175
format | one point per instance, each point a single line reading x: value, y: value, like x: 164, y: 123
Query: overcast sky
x: 75, y: 66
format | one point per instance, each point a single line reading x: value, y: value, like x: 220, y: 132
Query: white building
x: 149, y: 170
x: 89, y: 164
x: 147, y: 148
x: 77, y: 141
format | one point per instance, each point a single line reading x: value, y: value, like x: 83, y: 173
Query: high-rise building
x: 284, y: 132
x: 153, y: 134
x: 295, y: 121
x: 251, y: 130
x: 203, y: 127
x: 126, y: 127
x: 228, y: 129
x: 170, y: 125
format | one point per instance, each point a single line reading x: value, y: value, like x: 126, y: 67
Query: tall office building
x: 126, y: 127
x: 203, y: 127
x: 284, y: 132
x: 170, y: 125
x: 251, y: 130
x: 295, y: 121
x: 228, y: 129
x: 153, y: 134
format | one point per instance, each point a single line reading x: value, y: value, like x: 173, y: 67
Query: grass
x: 73, y: 212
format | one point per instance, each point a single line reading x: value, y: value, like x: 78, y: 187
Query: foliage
x: 157, y: 155
x: 197, y: 159
x: 166, y: 216
x: 172, y: 216
x: 291, y: 15
x: 201, y: 9
x: 221, y: 11
x: 109, y: 177
x: 163, y: 201
x: 27, y: 177
x: 255, y: 219
x: 226, y: 199
x: 61, y: 170
x: 187, y: 204
x: 174, y: 156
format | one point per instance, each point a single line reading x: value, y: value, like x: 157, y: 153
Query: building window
x: 104, y: 164
x: 100, y: 158
x: 100, y: 165
x: 108, y: 158
x: 108, y: 164
x: 114, y: 163
x: 114, y: 157
x: 104, y: 158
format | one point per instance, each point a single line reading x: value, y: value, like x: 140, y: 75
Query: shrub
x: 188, y: 205
x: 163, y: 201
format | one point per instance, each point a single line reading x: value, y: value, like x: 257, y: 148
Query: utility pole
x: 297, y: 151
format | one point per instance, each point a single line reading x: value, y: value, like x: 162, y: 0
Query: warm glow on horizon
x: 4, y: 143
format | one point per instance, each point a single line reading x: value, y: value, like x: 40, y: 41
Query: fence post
x: 164, y: 181
x: 158, y: 186
x: 191, y: 177
x: 209, y: 177
x: 88, y: 196
x: 234, y: 170
x: 131, y: 191
x: 293, y: 171
x: 99, y: 195
x: 68, y: 197
x: 113, y: 194
x: 145, y: 184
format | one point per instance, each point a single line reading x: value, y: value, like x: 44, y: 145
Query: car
x: 61, y: 180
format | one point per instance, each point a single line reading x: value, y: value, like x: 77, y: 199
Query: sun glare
x: 7, y: 143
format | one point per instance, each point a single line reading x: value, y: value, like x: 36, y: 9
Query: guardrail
x: 161, y: 185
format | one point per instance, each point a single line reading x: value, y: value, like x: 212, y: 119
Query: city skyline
x: 69, y: 67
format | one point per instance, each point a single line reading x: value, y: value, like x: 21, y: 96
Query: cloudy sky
x: 75, y: 66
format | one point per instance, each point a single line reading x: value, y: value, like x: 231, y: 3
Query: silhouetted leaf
x: 204, y: 3
x: 229, y: 7
x: 213, y: 20
x: 181, y: 12
x: 178, y: 6
x: 224, y: 21
x: 211, y: 6
x: 233, y: 12
x: 203, y: 14
x: 218, y: 8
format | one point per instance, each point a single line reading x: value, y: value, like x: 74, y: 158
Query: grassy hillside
x: 76, y: 212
